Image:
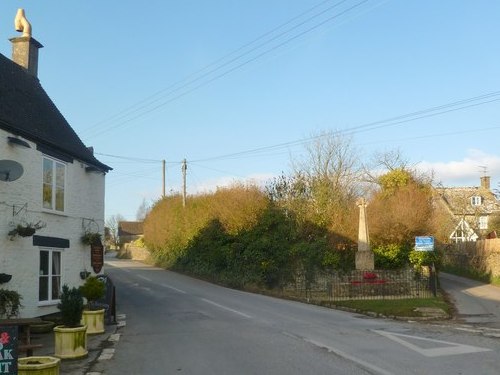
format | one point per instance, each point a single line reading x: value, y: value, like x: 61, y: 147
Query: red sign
x: 8, y: 350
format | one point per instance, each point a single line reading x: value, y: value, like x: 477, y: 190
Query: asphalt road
x: 179, y: 325
x: 477, y: 303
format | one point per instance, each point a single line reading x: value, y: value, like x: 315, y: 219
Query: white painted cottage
x: 49, y: 180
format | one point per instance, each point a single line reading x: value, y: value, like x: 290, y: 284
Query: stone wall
x: 482, y: 256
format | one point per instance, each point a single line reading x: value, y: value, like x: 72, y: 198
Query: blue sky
x: 209, y: 80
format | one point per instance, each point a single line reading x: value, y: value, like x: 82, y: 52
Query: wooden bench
x: 25, y: 344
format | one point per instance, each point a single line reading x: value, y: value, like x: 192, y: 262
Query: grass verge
x: 396, y: 307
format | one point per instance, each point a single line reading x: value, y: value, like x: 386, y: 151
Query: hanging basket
x: 5, y: 278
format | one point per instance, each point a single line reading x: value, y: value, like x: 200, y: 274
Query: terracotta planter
x: 70, y: 342
x: 38, y: 366
x: 94, y: 320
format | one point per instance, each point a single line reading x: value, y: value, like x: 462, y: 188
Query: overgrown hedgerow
x: 238, y: 237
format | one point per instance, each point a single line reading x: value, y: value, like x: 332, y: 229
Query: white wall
x: 84, y: 207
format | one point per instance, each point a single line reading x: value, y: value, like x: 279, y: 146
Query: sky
x: 238, y: 87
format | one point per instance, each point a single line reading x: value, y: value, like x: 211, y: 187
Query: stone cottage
x: 471, y: 208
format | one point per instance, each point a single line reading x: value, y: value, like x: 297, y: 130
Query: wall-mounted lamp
x: 18, y: 142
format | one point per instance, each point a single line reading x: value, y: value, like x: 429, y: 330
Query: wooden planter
x: 38, y: 366
x: 94, y: 320
x: 70, y: 342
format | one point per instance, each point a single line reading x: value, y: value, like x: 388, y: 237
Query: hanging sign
x: 97, y: 256
x: 8, y: 350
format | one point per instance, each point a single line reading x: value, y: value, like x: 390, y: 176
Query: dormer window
x: 476, y: 200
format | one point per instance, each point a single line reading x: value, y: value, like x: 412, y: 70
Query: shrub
x: 425, y: 258
x: 391, y: 256
x: 93, y: 289
x: 71, y: 306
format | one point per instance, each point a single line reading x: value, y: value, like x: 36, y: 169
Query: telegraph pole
x: 163, y: 169
x: 184, y: 169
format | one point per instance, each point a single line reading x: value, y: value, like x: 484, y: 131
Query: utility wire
x: 392, y: 121
x: 140, y: 105
x: 230, y: 70
x: 413, y: 116
x: 435, y: 135
x: 138, y: 160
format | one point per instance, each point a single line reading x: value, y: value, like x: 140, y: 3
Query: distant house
x: 471, y: 209
x: 129, y: 231
x: 49, y: 180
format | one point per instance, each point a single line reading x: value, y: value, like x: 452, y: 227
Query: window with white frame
x: 483, y: 222
x: 54, y: 176
x: 49, y: 284
x: 476, y: 200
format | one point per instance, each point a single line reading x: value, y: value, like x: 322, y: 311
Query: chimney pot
x: 25, y: 48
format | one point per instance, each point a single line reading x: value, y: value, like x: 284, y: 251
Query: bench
x: 25, y: 344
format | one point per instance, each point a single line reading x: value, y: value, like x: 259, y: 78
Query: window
x: 483, y: 222
x: 49, y: 285
x: 53, y: 184
x: 476, y: 200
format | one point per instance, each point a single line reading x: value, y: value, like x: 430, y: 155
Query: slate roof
x: 26, y: 110
x: 130, y: 228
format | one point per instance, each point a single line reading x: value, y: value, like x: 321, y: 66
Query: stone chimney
x: 25, y: 47
x: 485, y: 182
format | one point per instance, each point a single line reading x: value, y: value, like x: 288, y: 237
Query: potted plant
x: 93, y: 315
x: 71, y: 337
x: 10, y: 303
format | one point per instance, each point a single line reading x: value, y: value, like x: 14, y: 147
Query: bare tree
x: 328, y: 178
x: 390, y: 161
x: 143, y: 210
x: 112, y: 225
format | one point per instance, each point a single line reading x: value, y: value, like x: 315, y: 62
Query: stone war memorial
x: 363, y: 280
x: 364, y: 255
x: 366, y: 282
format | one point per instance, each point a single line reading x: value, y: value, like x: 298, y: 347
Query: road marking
x: 144, y: 278
x: 449, y: 348
x: 226, y: 308
x: 349, y: 357
x: 106, y: 354
x: 115, y: 337
x: 173, y: 288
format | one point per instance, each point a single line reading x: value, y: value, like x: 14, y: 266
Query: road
x: 179, y: 325
x: 477, y: 303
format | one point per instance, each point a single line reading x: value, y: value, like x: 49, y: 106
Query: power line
x: 139, y: 105
x: 138, y: 160
x: 238, y: 66
x: 413, y: 116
